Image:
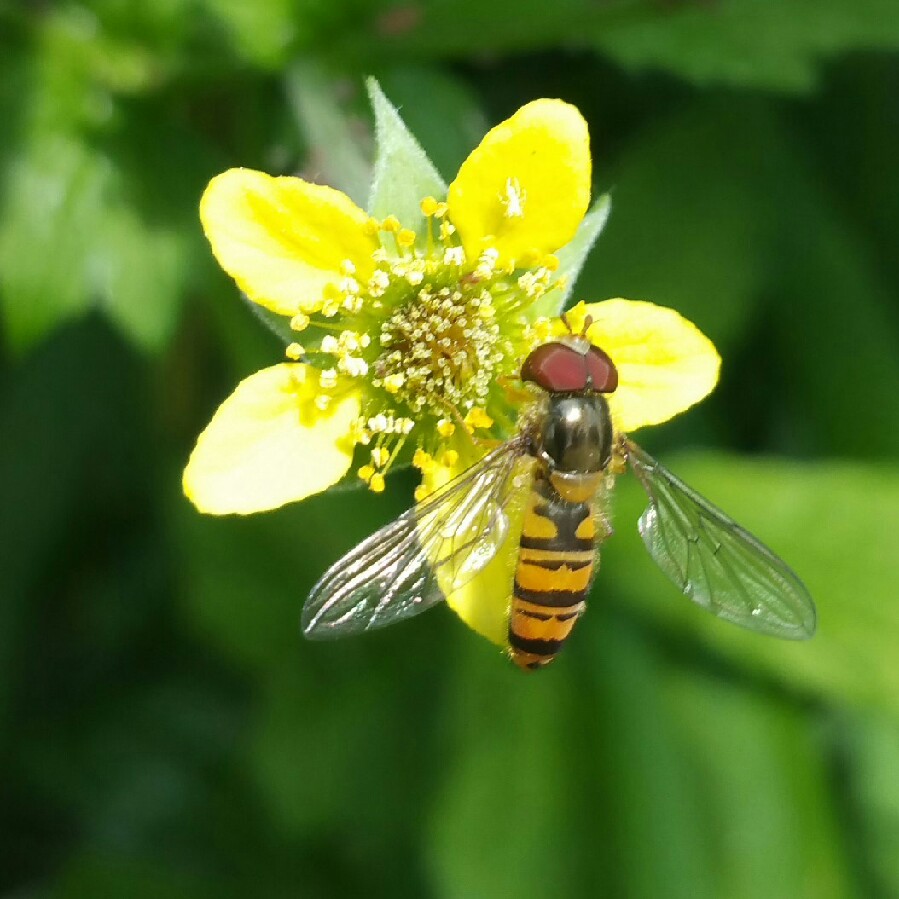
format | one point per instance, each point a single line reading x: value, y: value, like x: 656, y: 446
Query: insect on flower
x: 560, y: 467
x: 415, y: 315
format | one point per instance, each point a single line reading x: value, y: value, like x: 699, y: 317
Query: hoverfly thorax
x: 576, y: 431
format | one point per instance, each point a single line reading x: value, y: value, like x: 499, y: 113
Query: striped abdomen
x: 555, y: 568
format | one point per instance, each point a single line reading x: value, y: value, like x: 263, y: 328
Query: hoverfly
x: 560, y: 467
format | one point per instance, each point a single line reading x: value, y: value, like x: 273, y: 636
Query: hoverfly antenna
x: 588, y: 321
x: 564, y: 317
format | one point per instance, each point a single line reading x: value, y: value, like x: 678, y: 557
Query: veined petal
x: 483, y: 603
x: 526, y: 187
x: 269, y: 444
x: 665, y: 363
x: 283, y: 239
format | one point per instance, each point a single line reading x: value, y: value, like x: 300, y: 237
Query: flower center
x: 429, y: 331
x: 440, y: 351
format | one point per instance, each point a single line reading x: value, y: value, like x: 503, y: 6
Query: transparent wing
x: 444, y: 540
x: 714, y: 561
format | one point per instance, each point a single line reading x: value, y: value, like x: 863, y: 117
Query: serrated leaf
x: 404, y: 174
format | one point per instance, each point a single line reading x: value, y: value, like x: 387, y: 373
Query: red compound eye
x: 560, y: 368
x: 602, y: 370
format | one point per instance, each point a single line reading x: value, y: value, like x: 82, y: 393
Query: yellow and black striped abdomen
x: 555, y: 567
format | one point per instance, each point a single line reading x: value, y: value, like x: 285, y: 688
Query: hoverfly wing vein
x: 393, y: 574
x: 714, y: 561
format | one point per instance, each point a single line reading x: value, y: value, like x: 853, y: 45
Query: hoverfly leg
x: 618, y: 464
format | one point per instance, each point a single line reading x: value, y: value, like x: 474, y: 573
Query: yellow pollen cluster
x: 429, y: 329
x: 444, y: 348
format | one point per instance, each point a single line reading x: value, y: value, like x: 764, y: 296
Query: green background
x: 164, y: 731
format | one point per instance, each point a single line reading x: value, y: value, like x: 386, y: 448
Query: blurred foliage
x: 164, y: 730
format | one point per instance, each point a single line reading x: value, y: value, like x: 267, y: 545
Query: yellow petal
x: 482, y: 603
x: 268, y: 444
x: 665, y: 363
x: 526, y: 187
x: 283, y: 239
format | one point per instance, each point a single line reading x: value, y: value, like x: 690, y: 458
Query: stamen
x: 513, y: 199
x: 405, y: 237
x: 454, y: 256
x: 423, y: 461
x: 478, y: 418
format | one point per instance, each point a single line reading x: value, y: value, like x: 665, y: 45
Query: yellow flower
x: 406, y: 321
x: 413, y: 318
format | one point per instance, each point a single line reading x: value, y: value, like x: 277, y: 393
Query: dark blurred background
x: 166, y: 732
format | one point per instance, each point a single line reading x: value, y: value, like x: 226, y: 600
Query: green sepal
x: 404, y: 174
x: 573, y: 255
x: 279, y: 325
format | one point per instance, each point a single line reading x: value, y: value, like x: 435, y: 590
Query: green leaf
x: 636, y: 797
x: 336, y: 147
x: 835, y: 524
x: 141, y: 274
x: 838, y: 300
x: 574, y: 254
x: 509, y: 774
x: 771, y: 44
x: 73, y: 236
x: 616, y: 755
x: 246, y: 577
x: 689, y: 232
x: 53, y: 196
x: 762, y: 789
x: 775, y: 44
x: 261, y: 32
x: 96, y: 874
x: 871, y: 744
x: 403, y: 173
